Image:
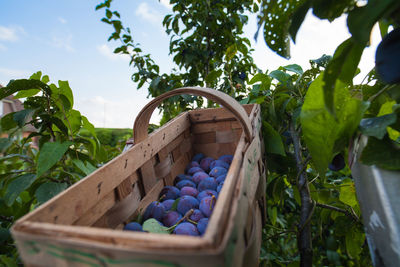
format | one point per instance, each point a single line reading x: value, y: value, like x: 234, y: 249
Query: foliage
x: 110, y: 136
x: 309, y: 117
x: 52, y: 157
x: 343, y: 66
x: 206, y: 45
x: 295, y: 97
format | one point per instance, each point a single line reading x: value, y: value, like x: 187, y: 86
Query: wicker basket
x: 82, y: 226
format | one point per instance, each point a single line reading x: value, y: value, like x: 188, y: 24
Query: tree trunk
x: 304, y: 240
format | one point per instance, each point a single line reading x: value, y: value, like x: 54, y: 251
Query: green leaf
x: 230, y: 52
x: 383, y: 153
x: 4, y: 234
x: 213, y: 76
x: 108, y: 13
x: 348, y: 193
x: 45, y: 79
x: 27, y: 93
x: 260, y: 77
x: 23, y: 116
x: 343, y: 66
x: 153, y: 226
x: 48, y: 190
x: 4, y: 144
x: 7, y: 261
x: 7, y: 122
x: 387, y: 108
x: 361, y: 19
x: 276, y: 17
x: 36, y: 76
x: 74, y: 121
x: 15, y: 187
x: 377, y: 126
x: 273, y: 140
x: 324, y: 135
x: 86, y: 168
x: 65, y: 90
x: 331, y: 9
x: 294, y: 68
x: 354, y: 242
x: 280, y: 75
x: 298, y: 18
x: 88, y: 126
x: 22, y: 85
x: 50, y: 154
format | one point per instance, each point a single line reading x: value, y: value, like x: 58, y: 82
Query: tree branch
x: 304, y: 241
x: 352, y: 214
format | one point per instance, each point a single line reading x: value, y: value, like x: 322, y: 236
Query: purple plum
x: 154, y: 210
x: 171, y: 218
x: 205, y: 163
x: 198, y: 176
x: 187, y: 203
x: 218, y: 171
x: 169, y: 192
x: 193, y: 170
x: 189, y: 191
x: 184, y: 183
x: 219, y: 163
x: 227, y: 158
x: 191, y: 165
x: 168, y: 204
x: 207, y: 205
x: 186, y: 228
x: 196, y: 215
x: 207, y: 193
x: 181, y: 177
x: 133, y: 226
x: 202, y: 225
x: 198, y: 157
x: 220, y: 178
x: 207, y: 183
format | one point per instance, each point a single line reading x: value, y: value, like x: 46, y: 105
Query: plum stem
x: 187, y: 215
x: 212, y: 200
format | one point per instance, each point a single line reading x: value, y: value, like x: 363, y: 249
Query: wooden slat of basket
x: 206, y: 127
x: 224, y: 137
x: 88, y: 253
x: 68, y: 207
x: 128, y: 239
x: 215, y: 150
x: 121, y: 211
x: 215, y: 229
x: 205, y: 138
x: 95, y: 213
x: 214, y: 114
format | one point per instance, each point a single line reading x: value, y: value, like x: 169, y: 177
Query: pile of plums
x: 185, y: 207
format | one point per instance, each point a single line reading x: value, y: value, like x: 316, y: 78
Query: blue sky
x: 66, y: 40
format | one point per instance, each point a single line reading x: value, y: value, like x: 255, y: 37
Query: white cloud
x: 148, y: 14
x: 10, y: 33
x: 62, y: 20
x: 314, y: 38
x: 107, y: 113
x: 166, y: 4
x: 107, y: 51
x: 63, y: 42
x: 7, y: 74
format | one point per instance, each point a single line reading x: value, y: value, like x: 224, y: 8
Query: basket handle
x: 143, y: 118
